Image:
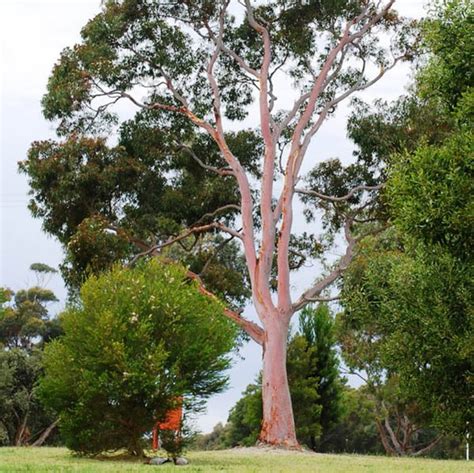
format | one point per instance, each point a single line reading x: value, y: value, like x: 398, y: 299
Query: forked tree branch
x: 220, y: 171
x: 267, y: 247
x: 199, y: 229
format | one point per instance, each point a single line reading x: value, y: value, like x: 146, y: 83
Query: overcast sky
x: 33, y: 32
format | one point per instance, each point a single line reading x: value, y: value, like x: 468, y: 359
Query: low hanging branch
x: 252, y: 329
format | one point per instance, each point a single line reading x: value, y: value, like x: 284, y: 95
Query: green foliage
x: 22, y: 417
x: 245, y: 417
x: 356, y: 431
x: 103, y: 202
x: 408, y: 294
x: 303, y: 380
x: 430, y: 193
x: 449, y: 35
x: 216, y: 440
x: 412, y: 314
x: 140, y: 338
x: 315, y: 371
x: 42, y: 268
x: 25, y: 327
x: 24, y: 321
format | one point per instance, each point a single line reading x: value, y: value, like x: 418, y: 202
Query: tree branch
x: 331, y: 198
x: 220, y: 171
x: 200, y: 229
x: 428, y: 447
x: 253, y: 330
x: 316, y: 290
x: 45, y: 434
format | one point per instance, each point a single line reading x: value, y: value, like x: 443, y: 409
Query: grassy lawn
x: 45, y: 459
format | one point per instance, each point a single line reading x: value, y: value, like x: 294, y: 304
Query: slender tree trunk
x: 278, y: 427
x: 20, y: 433
x: 384, y: 439
x: 45, y: 434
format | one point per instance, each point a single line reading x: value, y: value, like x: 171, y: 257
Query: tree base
x: 279, y: 445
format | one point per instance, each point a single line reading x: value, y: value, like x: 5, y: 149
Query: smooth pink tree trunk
x: 278, y: 427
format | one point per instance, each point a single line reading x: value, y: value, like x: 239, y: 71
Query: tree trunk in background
x: 45, y: 434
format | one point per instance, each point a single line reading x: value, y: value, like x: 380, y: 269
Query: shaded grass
x: 40, y: 460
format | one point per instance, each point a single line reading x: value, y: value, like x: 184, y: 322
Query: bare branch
x: 253, y: 330
x: 45, y: 434
x: 392, y: 435
x: 220, y: 171
x: 355, y: 373
x: 238, y: 59
x: 338, y: 199
x: 217, y: 211
x: 214, y: 254
x: 319, y: 287
x: 200, y: 229
x: 322, y: 299
x: 428, y: 447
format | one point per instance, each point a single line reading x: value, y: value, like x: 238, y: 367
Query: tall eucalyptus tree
x: 198, y: 66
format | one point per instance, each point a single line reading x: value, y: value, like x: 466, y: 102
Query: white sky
x: 33, y: 33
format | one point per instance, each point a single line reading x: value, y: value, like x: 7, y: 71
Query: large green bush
x: 140, y: 338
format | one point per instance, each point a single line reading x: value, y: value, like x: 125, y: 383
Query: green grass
x: 39, y: 460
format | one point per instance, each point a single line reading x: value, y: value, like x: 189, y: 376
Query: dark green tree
x: 356, y: 431
x: 406, y: 324
x: 23, y: 419
x: 409, y: 291
x: 245, y: 417
x: 140, y: 339
x: 317, y: 329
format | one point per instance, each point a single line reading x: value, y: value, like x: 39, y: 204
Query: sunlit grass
x: 45, y: 459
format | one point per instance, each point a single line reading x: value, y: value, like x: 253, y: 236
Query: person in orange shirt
x: 172, y: 422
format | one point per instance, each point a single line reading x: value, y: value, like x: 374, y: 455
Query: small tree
x: 322, y: 367
x: 25, y: 321
x: 141, y: 338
